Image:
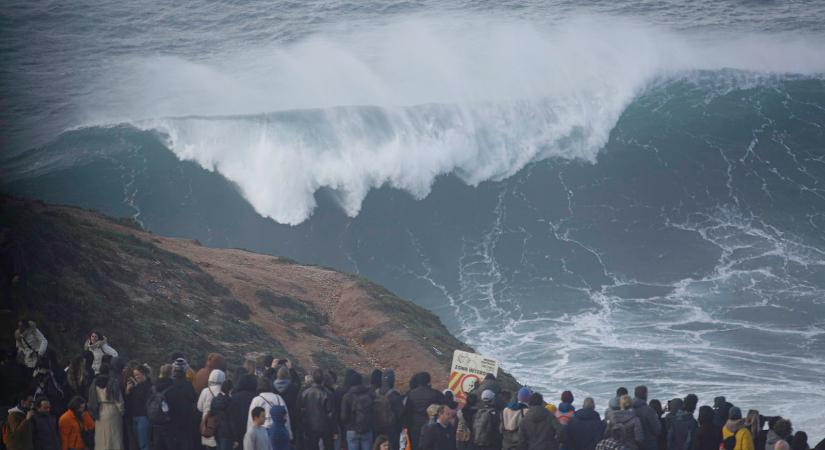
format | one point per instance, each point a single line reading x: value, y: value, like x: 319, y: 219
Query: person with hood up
x: 630, y: 424
x: 317, y: 410
x: 511, y: 418
x: 44, y: 427
x: 181, y: 398
x: 487, y: 423
x: 107, y: 407
x: 31, y: 344
x: 735, y: 435
x: 708, y: 436
x: 289, y: 390
x: 357, y: 415
x: 269, y: 400
x: 415, y: 410
x: 338, y: 394
x: 782, y: 431
x: 214, y: 361
x: 439, y: 434
x: 651, y: 425
x: 99, y: 346
x: 721, y: 409
x: 540, y: 430
x: 682, y: 427
x: 74, y: 423
x: 391, y: 411
x: 138, y: 389
x: 239, y: 402
x: 585, y: 428
x: 207, y: 395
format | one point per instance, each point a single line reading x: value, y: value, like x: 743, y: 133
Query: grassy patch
x: 327, y: 360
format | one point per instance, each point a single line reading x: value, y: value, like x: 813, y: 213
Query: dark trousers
x: 310, y: 441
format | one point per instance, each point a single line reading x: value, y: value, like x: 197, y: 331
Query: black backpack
x: 484, y: 427
x: 157, y: 409
x: 382, y: 410
x: 362, y: 413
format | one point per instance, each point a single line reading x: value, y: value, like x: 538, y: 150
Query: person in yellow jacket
x: 735, y: 435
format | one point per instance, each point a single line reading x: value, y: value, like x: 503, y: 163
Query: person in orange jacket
x: 73, y: 423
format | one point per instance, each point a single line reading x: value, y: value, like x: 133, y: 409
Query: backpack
x: 511, y: 420
x: 382, y: 409
x: 210, y: 422
x: 362, y: 413
x: 462, y: 431
x: 157, y: 409
x: 484, y: 430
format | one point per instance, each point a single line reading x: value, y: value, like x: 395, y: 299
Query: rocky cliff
x: 73, y: 271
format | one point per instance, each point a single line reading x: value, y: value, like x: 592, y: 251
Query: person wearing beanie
x: 585, y: 429
x: 181, y: 398
x: 735, y: 435
x: 209, y: 393
x: 190, y: 374
x: 486, y: 433
x: 511, y: 418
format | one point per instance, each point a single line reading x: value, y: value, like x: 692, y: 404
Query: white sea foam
x: 476, y: 96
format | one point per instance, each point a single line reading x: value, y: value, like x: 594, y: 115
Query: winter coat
x: 651, y: 425
x: 98, y: 349
x: 511, y: 418
x: 317, y: 410
x: 213, y: 361
x: 45, y: 434
x: 181, y: 399
x: 289, y: 392
x: 72, y: 428
x: 720, y: 413
x: 540, y: 430
x: 584, y: 431
x: 395, y: 397
x: 415, y: 410
x: 239, y: 403
x: 19, y: 430
x: 208, y: 394
x: 109, y: 422
x: 435, y: 436
x: 136, y: 399
x: 31, y: 345
x: 53, y: 386
x: 348, y: 405
x: 737, y: 428
x: 682, y: 429
x: 630, y: 423
x: 267, y: 400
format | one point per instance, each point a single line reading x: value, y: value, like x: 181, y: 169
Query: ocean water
x: 596, y: 193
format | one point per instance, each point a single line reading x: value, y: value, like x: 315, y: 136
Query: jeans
x: 143, y: 431
x: 359, y: 441
x: 225, y: 443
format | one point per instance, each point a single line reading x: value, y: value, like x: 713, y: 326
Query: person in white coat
x: 212, y: 390
x: 99, y: 347
x: 31, y: 344
x: 266, y: 399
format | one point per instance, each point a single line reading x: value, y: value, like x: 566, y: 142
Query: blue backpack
x: 278, y: 434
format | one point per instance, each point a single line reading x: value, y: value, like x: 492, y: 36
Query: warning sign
x: 468, y: 370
